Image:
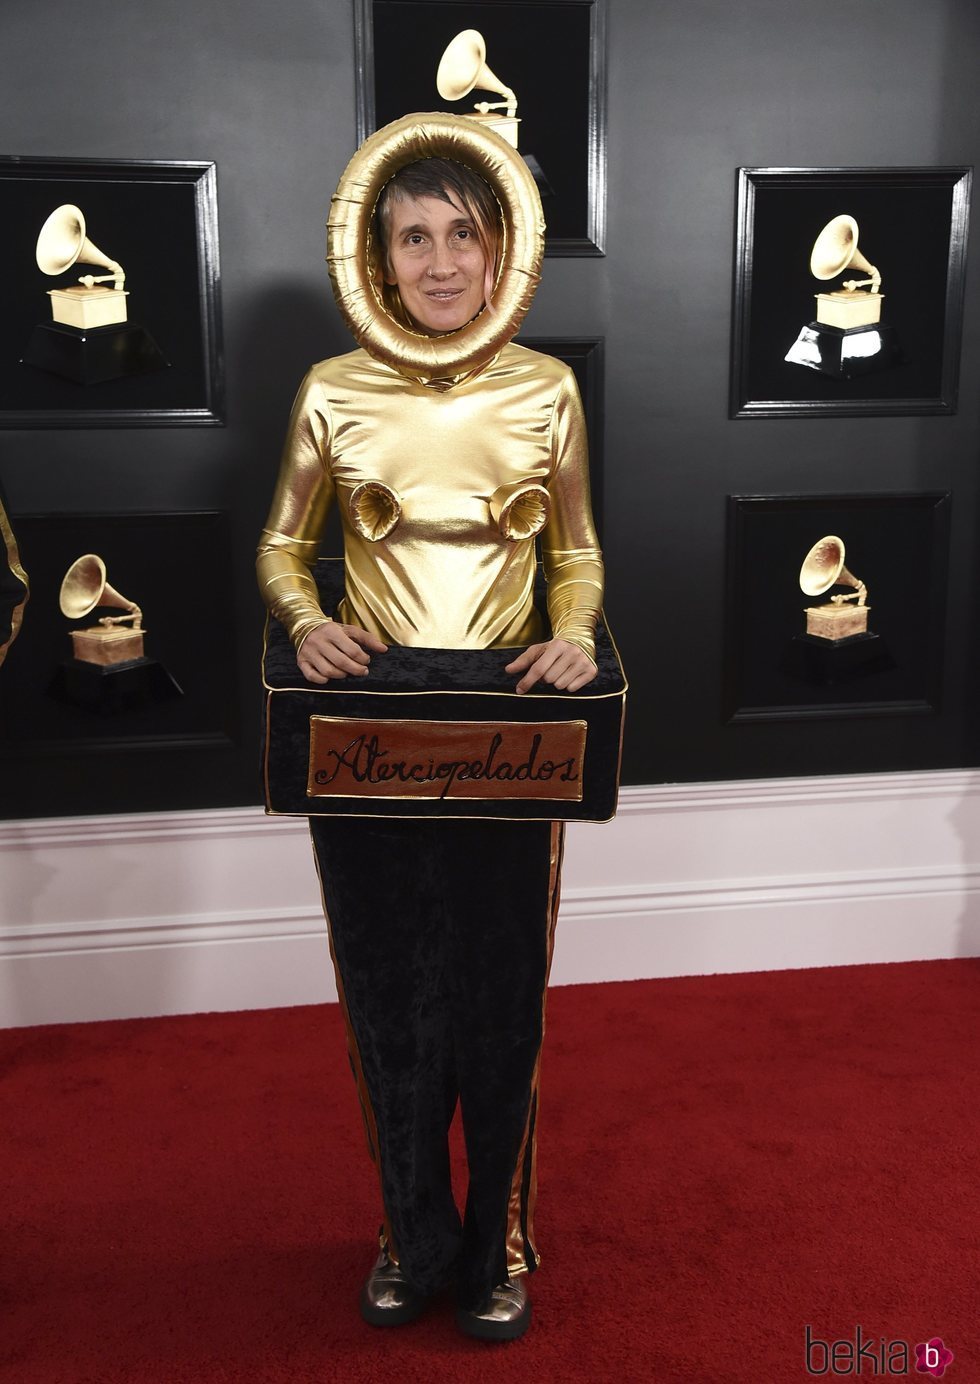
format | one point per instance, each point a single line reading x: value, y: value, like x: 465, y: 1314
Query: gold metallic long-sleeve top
x: 441, y: 493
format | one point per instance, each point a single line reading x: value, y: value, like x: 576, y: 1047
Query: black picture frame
x: 163, y: 562
x: 912, y: 224
x: 562, y: 104
x: 586, y: 357
x: 897, y: 544
x: 159, y: 220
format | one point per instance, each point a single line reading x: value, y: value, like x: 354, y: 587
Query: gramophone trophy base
x: 119, y: 687
x: 849, y: 310
x: 503, y: 125
x: 834, y: 622
x: 844, y: 354
x: 107, y: 647
x: 79, y: 306
x: 824, y: 662
x: 92, y: 356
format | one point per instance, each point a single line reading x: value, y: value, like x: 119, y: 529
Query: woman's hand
x: 337, y: 651
x: 558, y: 662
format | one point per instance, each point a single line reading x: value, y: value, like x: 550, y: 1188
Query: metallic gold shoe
x: 387, y: 1298
x: 507, y: 1317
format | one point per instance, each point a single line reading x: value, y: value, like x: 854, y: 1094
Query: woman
x: 447, y: 449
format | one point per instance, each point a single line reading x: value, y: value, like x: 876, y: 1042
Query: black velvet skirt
x: 441, y: 933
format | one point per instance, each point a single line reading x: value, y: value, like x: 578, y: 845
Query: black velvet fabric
x: 440, y: 935
x: 439, y: 685
x: 404, y: 669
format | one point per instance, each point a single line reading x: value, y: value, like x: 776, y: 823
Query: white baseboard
x: 117, y: 917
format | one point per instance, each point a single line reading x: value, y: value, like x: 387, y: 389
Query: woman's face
x: 434, y: 257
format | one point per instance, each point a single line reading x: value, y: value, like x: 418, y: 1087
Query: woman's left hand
x: 557, y: 662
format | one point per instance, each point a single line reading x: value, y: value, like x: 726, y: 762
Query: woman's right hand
x: 337, y: 651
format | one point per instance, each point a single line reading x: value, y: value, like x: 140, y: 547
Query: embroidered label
x: 360, y: 758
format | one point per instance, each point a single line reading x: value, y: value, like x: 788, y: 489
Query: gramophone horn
x: 62, y: 241
x: 836, y: 247
x: 823, y: 567
x: 463, y: 66
x: 85, y: 587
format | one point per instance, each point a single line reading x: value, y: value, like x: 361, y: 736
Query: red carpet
x: 723, y: 1161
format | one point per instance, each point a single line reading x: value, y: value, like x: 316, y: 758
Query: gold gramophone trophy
x: 89, y: 339
x: 462, y: 69
x: 823, y: 567
x: 108, y: 671
x: 837, y: 647
x: 848, y: 338
x: 113, y: 639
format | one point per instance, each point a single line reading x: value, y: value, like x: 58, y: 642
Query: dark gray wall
x: 696, y: 88
x: 699, y: 89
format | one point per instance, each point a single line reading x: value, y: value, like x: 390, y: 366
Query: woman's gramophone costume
x: 446, y: 455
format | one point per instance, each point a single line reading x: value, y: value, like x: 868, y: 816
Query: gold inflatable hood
x: 351, y: 256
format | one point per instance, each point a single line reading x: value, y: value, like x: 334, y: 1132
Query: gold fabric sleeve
x: 569, y: 546
x: 14, y: 577
x: 291, y: 537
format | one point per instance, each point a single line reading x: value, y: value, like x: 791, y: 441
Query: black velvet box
x: 438, y: 733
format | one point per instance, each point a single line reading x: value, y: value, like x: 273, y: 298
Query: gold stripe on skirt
x: 520, y: 1209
